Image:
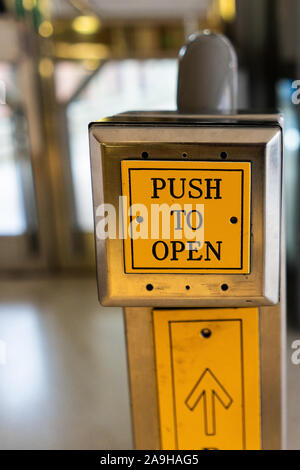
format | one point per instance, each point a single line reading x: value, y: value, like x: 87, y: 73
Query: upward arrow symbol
x: 209, y: 388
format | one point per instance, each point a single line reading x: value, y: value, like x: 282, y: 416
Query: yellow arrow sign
x: 209, y: 388
x: 208, y: 377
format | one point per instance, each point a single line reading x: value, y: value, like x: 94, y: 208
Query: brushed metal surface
x: 142, y: 378
x: 112, y: 142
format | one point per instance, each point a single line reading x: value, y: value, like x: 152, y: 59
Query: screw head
x: 206, y: 333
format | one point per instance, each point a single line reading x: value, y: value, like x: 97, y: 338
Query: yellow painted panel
x: 208, y: 377
x: 222, y: 190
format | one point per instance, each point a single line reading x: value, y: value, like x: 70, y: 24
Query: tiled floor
x: 64, y: 385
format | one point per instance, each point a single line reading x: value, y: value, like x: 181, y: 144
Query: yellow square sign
x: 186, y: 217
x: 208, y: 376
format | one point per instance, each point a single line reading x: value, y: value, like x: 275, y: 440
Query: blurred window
x: 12, y: 213
x: 291, y: 148
x: 117, y: 86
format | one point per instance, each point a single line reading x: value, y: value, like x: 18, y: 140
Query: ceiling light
x: 86, y: 24
x: 227, y: 10
x: 46, y: 67
x: 29, y: 4
x: 46, y: 29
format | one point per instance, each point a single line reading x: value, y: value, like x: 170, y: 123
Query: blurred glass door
x: 19, y: 242
x: 115, y: 86
x: 27, y: 228
x: 118, y: 86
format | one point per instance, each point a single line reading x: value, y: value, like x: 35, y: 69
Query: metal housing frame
x: 165, y: 136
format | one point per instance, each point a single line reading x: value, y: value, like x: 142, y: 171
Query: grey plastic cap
x: 207, y: 75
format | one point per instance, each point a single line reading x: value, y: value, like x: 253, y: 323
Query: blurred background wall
x: 67, y: 62
x: 64, y: 63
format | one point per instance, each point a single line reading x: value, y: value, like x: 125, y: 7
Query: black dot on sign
x: 149, y: 287
x: 184, y: 155
x: 187, y: 287
x: 206, y: 333
x: 223, y: 155
x: 145, y: 155
x: 234, y: 220
x: 224, y: 287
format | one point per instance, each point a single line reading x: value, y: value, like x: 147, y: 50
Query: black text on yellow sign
x: 208, y: 377
x: 222, y: 190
